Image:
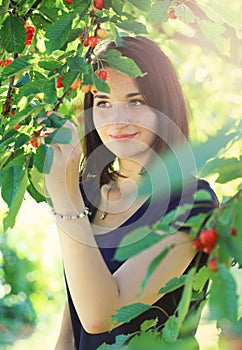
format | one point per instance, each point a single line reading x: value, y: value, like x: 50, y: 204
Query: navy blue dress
x: 148, y: 214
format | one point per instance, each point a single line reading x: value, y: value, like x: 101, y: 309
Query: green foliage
x: 123, y: 64
x: 155, y: 263
x: 173, y: 284
x: 223, y: 299
x: 119, y: 343
x: 17, y: 314
x: 13, y: 34
x: 129, y: 312
x: 137, y: 241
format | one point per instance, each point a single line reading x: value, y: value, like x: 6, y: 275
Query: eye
x: 103, y: 104
x: 136, y: 102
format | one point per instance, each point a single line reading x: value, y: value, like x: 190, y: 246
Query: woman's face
x: 125, y: 124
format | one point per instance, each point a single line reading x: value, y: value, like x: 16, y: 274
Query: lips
x: 123, y: 137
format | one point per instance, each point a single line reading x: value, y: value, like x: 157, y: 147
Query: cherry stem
x: 60, y: 100
x: 221, y: 209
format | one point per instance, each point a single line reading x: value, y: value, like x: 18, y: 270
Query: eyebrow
x: 131, y: 94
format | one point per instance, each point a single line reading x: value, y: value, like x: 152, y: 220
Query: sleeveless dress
x: 148, y: 214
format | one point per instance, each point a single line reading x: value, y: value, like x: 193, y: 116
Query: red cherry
x: 102, y: 74
x: 35, y: 142
x: 68, y: 2
x: 93, y: 41
x: 28, y: 42
x: 208, y: 249
x: 197, y: 245
x: 1, y: 62
x: 208, y: 237
x: 233, y: 231
x: 16, y: 127
x: 13, y: 112
x: 213, y: 265
x: 30, y: 29
x: 172, y: 14
x: 86, y: 41
x: 8, y: 61
x: 99, y: 4
x: 59, y: 83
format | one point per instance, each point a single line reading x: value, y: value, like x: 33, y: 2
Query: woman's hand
x: 62, y: 183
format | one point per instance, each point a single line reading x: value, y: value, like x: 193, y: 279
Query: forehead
x: 120, y: 83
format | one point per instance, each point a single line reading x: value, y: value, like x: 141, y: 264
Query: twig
x: 33, y: 7
x: 60, y: 100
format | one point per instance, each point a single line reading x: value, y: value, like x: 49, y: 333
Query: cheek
x: 102, y: 134
x: 148, y: 120
x: 101, y: 118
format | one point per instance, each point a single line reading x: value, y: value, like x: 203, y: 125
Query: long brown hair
x: 161, y: 90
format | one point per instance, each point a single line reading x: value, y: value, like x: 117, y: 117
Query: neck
x: 130, y: 169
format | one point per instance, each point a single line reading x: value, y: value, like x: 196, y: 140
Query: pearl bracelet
x: 82, y: 214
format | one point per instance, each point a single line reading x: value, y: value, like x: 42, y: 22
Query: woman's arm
x: 65, y: 340
x: 96, y: 293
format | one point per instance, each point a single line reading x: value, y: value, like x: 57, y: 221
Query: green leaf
x: 170, y: 331
x: 184, y: 13
x: 43, y: 159
x: 20, y: 140
x: 127, y: 313
x: 202, y: 195
x: 143, y: 5
x: 58, y: 34
x: 100, y: 84
x: 173, y: 284
x: 132, y: 26
x: 77, y: 64
x: 49, y: 65
x: 18, y: 65
x: 18, y: 160
x: 24, y: 79
x: 51, y: 13
x: 213, y: 31
x: 62, y: 135
x: 137, y: 241
x: 80, y: 7
x: 149, y: 340
x: 13, y: 34
x: 200, y: 278
x: 196, y: 222
x: 223, y: 301
x: 119, y: 341
x: 227, y: 168
x: 38, y: 197
x: 191, y: 323
x: 153, y: 265
x: 54, y: 121
x: 159, y: 12
x: 117, y: 6
x: 40, y: 85
x: 69, y: 78
x: 147, y: 324
x: 184, y: 303
x: 122, y: 64
x: 14, y: 184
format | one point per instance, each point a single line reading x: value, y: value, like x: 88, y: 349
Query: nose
x: 120, y: 115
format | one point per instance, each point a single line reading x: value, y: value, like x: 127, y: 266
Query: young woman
x: 129, y: 127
